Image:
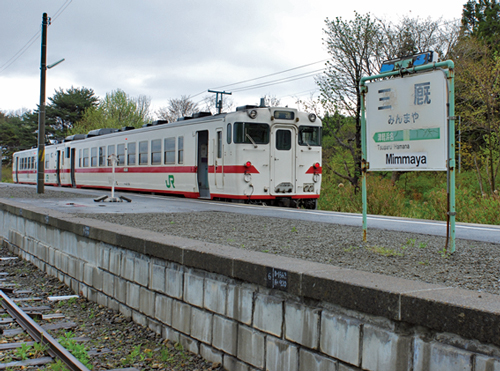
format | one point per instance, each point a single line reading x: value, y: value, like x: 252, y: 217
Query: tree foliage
x: 478, y: 101
x: 115, y: 110
x: 66, y: 107
x: 178, y: 108
x: 18, y: 132
x: 481, y: 19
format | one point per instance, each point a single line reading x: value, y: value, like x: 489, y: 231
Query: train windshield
x: 309, y: 135
x: 245, y: 132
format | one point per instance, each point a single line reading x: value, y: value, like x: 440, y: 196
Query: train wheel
x: 311, y: 204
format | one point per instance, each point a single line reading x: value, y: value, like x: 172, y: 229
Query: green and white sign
x: 406, y: 123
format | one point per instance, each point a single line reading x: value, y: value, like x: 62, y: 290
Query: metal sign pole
x: 451, y: 164
x: 364, y: 163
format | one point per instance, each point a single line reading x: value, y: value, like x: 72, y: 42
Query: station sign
x: 406, y: 127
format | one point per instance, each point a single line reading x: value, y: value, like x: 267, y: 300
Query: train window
x: 111, y: 151
x: 283, y: 140
x: 309, y: 136
x: 131, y: 154
x: 143, y: 153
x: 219, y: 144
x: 47, y: 162
x: 228, y: 133
x: 93, y: 156
x: 80, y: 158
x: 102, y: 156
x: 169, y: 151
x: 245, y: 132
x: 180, y: 150
x: 120, y: 154
x: 156, y: 152
x: 85, y: 157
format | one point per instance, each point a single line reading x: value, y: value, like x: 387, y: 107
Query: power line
x: 279, y: 81
x: 268, y: 83
x: 272, y: 74
x: 61, y: 10
x: 34, y: 38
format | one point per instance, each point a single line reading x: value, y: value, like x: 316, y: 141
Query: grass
x: 7, y: 174
x: 418, y: 196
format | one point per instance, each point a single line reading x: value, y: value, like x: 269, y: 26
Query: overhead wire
x: 279, y: 81
x: 258, y: 78
x: 272, y: 74
x: 34, y: 38
x: 21, y: 51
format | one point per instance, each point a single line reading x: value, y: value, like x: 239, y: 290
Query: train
x: 256, y: 154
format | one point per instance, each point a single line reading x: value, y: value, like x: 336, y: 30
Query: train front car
x: 277, y: 156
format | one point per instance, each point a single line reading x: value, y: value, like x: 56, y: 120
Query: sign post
x: 408, y: 124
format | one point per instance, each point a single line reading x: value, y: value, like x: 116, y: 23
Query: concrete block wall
x: 228, y: 317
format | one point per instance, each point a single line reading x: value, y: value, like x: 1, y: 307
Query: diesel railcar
x: 258, y: 154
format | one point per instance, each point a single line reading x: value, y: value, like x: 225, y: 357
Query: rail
x: 40, y: 335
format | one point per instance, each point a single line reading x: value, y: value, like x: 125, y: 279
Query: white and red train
x: 259, y: 154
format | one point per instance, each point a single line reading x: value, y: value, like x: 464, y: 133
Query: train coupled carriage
x: 257, y: 154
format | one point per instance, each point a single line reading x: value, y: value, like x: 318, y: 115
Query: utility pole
x: 41, y: 113
x: 218, y: 103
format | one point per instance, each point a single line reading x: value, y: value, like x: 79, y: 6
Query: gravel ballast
x: 474, y: 265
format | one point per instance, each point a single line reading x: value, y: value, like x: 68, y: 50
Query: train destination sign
x: 406, y: 123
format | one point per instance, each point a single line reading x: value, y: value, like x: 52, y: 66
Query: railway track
x: 108, y: 340
x: 43, y: 341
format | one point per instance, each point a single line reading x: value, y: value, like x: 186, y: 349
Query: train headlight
x: 252, y: 113
x: 312, y: 117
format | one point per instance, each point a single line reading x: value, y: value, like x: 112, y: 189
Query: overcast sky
x: 164, y: 48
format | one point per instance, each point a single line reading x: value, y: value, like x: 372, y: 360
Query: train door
x: 58, y: 167
x: 17, y: 169
x: 202, y: 164
x: 72, y: 169
x: 283, y: 160
x: 219, y: 160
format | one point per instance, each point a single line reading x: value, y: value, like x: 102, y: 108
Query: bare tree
x: 352, y: 47
x: 177, y: 108
x: 271, y: 101
x: 415, y: 35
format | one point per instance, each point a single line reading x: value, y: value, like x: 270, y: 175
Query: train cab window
x: 156, y: 152
x: 93, y: 156
x: 85, y: 157
x: 111, y: 151
x: 229, y: 133
x: 309, y: 136
x: 120, y: 154
x: 143, y: 153
x: 219, y: 144
x: 180, y: 150
x: 169, y: 150
x: 283, y: 140
x: 245, y: 132
x: 102, y: 156
x: 131, y: 154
